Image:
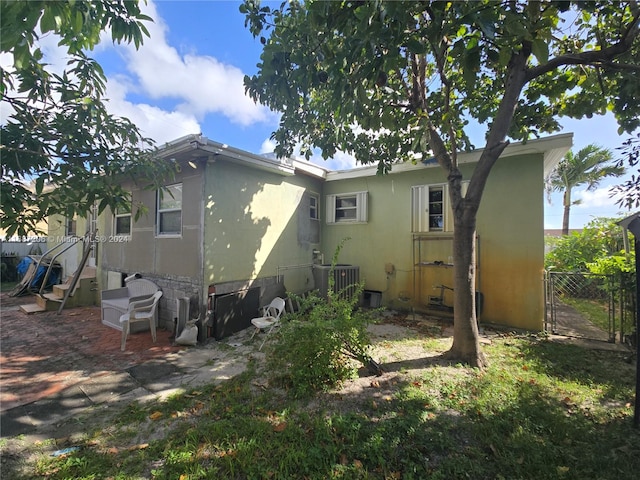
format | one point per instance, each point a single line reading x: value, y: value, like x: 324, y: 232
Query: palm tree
x: 590, y: 165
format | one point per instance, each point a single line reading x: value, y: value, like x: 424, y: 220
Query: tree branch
x: 592, y: 56
x: 496, y: 143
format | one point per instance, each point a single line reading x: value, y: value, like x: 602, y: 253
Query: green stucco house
x: 233, y: 229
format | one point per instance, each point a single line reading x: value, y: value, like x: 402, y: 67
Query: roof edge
x: 553, y: 148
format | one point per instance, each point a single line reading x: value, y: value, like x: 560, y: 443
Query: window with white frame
x: 347, y: 207
x: 169, y: 221
x: 309, y: 222
x: 314, y: 214
x: 70, y: 226
x: 431, y: 208
x: 122, y: 222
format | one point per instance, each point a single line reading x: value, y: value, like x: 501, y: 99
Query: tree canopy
x: 396, y: 81
x: 62, y: 151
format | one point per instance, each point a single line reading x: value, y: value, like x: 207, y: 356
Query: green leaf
x: 540, y: 49
x: 362, y: 95
x: 39, y: 185
x: 470, y: 66
x: 79, y: 22
x: 416, y: 46
x: 47, y: 22
x: 388, y: 120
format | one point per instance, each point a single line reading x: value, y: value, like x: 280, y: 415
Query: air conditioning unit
x: 345, y: 279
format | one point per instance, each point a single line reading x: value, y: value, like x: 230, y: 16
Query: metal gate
x: 582, y: 305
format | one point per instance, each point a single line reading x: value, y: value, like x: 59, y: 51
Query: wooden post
x: 87, y: 250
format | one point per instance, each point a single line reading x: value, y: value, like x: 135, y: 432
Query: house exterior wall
x: 510, y: 241
x: 69, y: 249
x: 246, y: 222
x: 173, y: 262
x: 257, y: 227
x: 240, y: 225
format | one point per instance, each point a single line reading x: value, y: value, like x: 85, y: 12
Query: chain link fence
x: 599, y: 307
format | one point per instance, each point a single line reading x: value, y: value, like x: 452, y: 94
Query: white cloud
x: 267, y: 146
x: 161, y: 125
x: 200, y: 84
x: 340, y: 161
x: 601, y: 197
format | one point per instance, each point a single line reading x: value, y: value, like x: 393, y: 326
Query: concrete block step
x: 30, y: 308
x: 53, y: 297
x: 84, y: 283
x: 41, y: 301
x: 48, y: 302
x: 60, y: 290
x: 88, y: 272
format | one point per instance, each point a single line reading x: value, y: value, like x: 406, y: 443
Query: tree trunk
x: 567, y: 207
x: 466, y: 347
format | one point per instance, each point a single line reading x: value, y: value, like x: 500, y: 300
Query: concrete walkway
x: 55, y: 367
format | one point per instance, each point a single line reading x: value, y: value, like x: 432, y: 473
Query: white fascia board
x: 249, y: 159
x: 553, y: 149
x: 203, y: 144
x: 179, y: 145
x: 311, y: 169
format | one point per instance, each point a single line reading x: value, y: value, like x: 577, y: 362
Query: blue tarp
x: 54, y: 275
x: 23, y: 266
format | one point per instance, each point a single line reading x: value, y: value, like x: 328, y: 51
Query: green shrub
x: 323, y: 343
x: 600, y: 239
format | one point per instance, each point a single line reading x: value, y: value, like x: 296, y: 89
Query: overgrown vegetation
x: 598, y: 252
x: 598, y: 248
x: 540, y: 411
x: 323, y: 343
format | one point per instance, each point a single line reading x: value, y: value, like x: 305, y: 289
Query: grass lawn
x: 540, y: 411
x: 595, y: 311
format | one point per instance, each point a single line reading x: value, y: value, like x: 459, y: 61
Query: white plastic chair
x: 140, y: 311
x: 270, y: 318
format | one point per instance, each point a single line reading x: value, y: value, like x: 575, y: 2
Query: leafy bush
x: 616, y: 263
x: 598, y: 249
x: 599, y: 240
x: 316, y: 347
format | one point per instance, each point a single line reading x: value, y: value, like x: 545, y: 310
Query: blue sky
x: 188, y: 78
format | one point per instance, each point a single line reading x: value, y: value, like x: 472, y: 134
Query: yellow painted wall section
x: 386, y: 237
x: 69, y: 258
x: 510, y: 247
x: 511, y: 229
x: 251, y: 222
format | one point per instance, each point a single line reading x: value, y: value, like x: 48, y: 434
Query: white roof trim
x: 311, y: 168
x: 201, y: 143
x: 553, y: 148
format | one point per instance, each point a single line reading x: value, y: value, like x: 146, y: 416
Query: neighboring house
x: 234, y: 229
